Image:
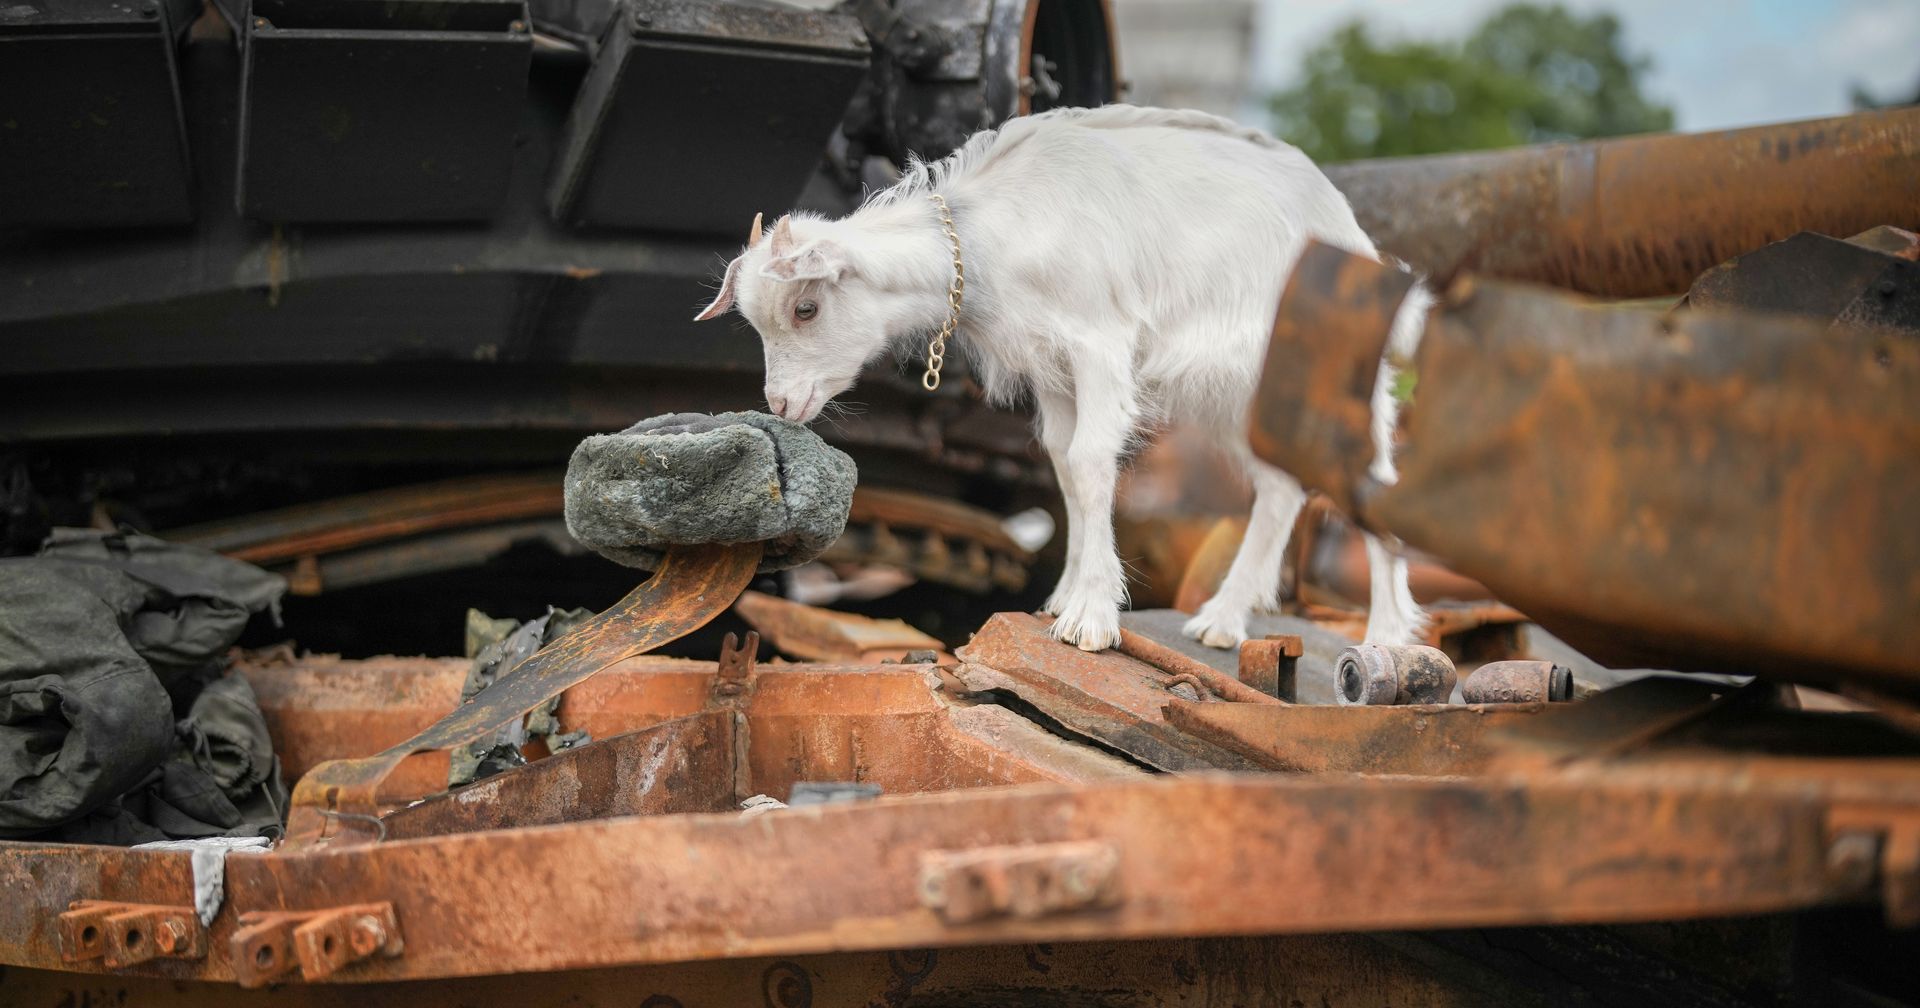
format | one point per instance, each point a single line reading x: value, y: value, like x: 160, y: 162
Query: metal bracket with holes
x: 317, y: 943
x: 127, y: 934
x: 1023, y: 880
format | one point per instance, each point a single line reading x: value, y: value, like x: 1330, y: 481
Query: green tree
x: 1528, y: 74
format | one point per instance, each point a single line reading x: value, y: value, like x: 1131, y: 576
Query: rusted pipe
x: 1638, y: 216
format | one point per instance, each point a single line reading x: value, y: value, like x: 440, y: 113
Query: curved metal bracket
x: 694, y: 584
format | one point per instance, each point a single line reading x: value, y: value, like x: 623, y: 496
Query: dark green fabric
x: 116, y: 725
x: 497, y: 646
x: 82, y: 717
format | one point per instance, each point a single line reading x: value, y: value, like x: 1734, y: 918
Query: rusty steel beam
x: 1426, y: 739
x: 1638, y: 216
x: 811, y: 633
x: 1609, y: 843
x: 404, y: 531
x: 683, y: 765
x: 1703, y: 491
x: 1116, y: 699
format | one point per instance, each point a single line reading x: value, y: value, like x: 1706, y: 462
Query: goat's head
x: 819, y: 324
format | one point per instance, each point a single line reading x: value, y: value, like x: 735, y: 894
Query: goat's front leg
x: 1093, y: 587
x: 1056, y: 436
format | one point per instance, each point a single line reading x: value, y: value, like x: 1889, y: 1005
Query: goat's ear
x: 816, y: 260
x: 723, y: 300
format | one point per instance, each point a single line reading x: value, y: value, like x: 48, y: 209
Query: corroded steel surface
x: 1573, y: 846
x: 1706, y: 491
x: 1638, y: 216
x: 894, y: 726
x: 1108, y: 696
x: 1419, y: 739
x: 811, y: 633
x: 694, y: 584
x: 1329, y: 302
x: 683, y: 765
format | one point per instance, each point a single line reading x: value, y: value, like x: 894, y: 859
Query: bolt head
x: 367, y: 935
x: 170, y: 936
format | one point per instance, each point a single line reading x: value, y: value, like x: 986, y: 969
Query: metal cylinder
x: 1381, y: 674
x: 1518, y: 682
x: 1637, y: 216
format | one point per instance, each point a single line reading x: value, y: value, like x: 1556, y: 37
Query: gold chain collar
x: 937, y: 347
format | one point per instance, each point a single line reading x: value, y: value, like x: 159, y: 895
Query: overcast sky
x: 1719, y: 62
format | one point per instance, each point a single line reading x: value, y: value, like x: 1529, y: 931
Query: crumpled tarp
x: 116, y: 722
x: 496, y: 647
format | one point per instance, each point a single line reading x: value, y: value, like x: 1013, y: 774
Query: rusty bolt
x: 727, y: 689
x: 170, y: 936
x: 933, y: 889
x: 1078, y: 881
x: 366, y: 935
x: 1853, y: 859
x: 260, y: 22
x: 516, y: 26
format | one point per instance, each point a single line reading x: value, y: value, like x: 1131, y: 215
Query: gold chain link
x: 937, y: 347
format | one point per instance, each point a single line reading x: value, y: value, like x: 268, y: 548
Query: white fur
x: 1122, y: 266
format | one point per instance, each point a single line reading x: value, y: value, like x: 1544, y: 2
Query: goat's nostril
x: 778, y: 404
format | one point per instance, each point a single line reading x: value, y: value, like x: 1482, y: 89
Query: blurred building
x: 1187, y: 53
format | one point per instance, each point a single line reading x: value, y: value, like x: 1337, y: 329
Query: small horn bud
x: 782, y: 236
x: 754, y: 238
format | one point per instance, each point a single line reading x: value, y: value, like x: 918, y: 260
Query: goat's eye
x: 805, y: 310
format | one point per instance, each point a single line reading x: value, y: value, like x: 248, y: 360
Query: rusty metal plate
x: 1314, y: 413
x: 1114, y: 699
x: 694, y: 584
x: 1427, y: 739
x: 684, y: 765
x: 1638, y: 216
x: 897, y: 727
x: 1710, y: 491
x: 811, y: 633
x: 1613, y: 843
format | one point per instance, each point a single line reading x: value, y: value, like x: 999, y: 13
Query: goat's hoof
x: 1215, y: 631
x: 1088, y: 631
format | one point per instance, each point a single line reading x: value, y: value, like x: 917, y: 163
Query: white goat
x: 1122, y: 267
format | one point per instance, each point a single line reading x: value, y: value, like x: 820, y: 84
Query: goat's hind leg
x: 1393, y: 617
x: 1253, y: 580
